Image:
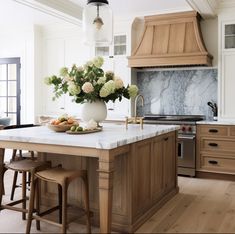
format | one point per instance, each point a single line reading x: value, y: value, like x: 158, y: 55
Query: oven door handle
x: 185, y: 137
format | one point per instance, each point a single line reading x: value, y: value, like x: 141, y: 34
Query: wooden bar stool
x: 20, y: 156
x: 23, y: 166
x: 62, y: 178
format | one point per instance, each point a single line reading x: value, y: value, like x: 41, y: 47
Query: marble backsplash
x: 178, y: 92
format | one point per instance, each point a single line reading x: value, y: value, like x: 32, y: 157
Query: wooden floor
x: 202, y: 206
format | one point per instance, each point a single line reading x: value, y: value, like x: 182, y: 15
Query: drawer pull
x: 166, y: 139
x: 213, y: 144
x: 213, y: 130
x: 213, y: 162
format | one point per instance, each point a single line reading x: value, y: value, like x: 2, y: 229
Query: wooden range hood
x: 171, y: 40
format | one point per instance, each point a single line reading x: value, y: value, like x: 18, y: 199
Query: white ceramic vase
x: 94, y: 110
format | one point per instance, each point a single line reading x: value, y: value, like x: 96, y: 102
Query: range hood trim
x: 154, y: 59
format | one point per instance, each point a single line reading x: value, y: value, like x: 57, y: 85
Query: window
x: 10, y: 88
x: 229, y: 36
x: 102, y: 51
x: 118, y: 48
x: 120, y: 45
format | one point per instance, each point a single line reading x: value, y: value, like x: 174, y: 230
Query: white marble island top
x: 112, y: 136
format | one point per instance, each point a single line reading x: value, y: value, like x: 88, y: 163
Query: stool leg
x: 29, y: 179
x: 14, y: 185
x: 64, y: 207
x: 37, y: 188
x: 24, y: 194
x: 2, y: 190
x: 31, y: 204
x: 86, y: 201
x: 60, y: 202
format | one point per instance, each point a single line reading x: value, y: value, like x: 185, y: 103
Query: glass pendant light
x: 98, y: 23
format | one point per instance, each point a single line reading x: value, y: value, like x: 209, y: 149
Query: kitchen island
x: 132, y: 173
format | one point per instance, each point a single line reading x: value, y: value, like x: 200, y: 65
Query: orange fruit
x: 70, y: 121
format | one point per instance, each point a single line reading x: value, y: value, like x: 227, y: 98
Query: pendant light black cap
x: 98, y: 2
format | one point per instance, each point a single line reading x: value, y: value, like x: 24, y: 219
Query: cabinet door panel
x: 157, y: 186
x: 142, y: 174
x: 54, y: 54
x: 228, y: 84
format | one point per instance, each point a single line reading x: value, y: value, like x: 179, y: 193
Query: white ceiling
x: 125, y: 8
x: 15, y: 13
x: 24, y: 12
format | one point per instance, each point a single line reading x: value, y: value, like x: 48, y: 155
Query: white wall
x: 210, y: 35
x: 19, y: 42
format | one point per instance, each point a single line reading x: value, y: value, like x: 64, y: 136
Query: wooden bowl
x: 60, y: 128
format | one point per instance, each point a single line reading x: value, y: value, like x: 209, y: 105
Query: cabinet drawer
x: 217, y: 145
x: 212, y: 130
x: 218, y: 164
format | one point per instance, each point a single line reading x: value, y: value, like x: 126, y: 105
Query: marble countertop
x: 112, y: 136
x: 219, y: 122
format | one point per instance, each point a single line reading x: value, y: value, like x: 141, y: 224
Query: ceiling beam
x: 206, y: 8
x: 62, y: 9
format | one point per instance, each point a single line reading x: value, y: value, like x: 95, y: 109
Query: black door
x: 10, y: 88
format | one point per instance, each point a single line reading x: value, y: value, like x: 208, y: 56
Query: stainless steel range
x: 186, y: 138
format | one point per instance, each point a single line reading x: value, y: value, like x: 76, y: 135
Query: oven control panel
x: 187, y: 129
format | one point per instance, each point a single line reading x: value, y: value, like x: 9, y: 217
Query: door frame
x: 15, y: 60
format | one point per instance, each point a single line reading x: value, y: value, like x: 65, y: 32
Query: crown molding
x: 65, y: 10
x: 206, y: 8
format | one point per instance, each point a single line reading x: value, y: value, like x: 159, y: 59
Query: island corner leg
x: 106, y: 169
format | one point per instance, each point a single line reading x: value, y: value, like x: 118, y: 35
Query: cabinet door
x: 227, y: 86
x: 169, y: 162
x: 54, y: 60
x: 157, y: 183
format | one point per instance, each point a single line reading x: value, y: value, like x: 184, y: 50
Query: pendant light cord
x: 98, y: 11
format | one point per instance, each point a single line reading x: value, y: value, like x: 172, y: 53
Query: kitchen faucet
x: 135, y: 119
x: 136, y: 101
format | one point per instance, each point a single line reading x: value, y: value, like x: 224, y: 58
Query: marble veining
x: 178, y: 92
x: 112, y: 136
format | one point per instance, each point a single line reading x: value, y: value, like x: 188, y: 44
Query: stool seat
x: 25, y: 165
x: 59, y: 175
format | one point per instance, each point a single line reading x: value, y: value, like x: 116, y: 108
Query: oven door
x: 186, y: 151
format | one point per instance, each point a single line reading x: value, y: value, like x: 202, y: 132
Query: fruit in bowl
x: 62, y: 123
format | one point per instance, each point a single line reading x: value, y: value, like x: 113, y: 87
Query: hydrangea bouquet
x: 90, y: 83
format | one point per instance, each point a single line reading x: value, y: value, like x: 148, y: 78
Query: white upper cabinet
x: 115, y: 59
x: 226, y: 65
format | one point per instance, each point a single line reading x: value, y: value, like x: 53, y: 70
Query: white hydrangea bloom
x: 133, y: 90
x: 74, y: 89
x: 110, y: 85
x: 104, y: 92
x: 98, y: 61
x: 101, y: 80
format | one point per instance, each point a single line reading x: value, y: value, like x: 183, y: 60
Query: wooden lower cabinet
x: 145, y: 178
x: 216, y: 149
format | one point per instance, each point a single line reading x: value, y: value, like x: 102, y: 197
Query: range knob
x: 190, y: 129
x: 183, y: 128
